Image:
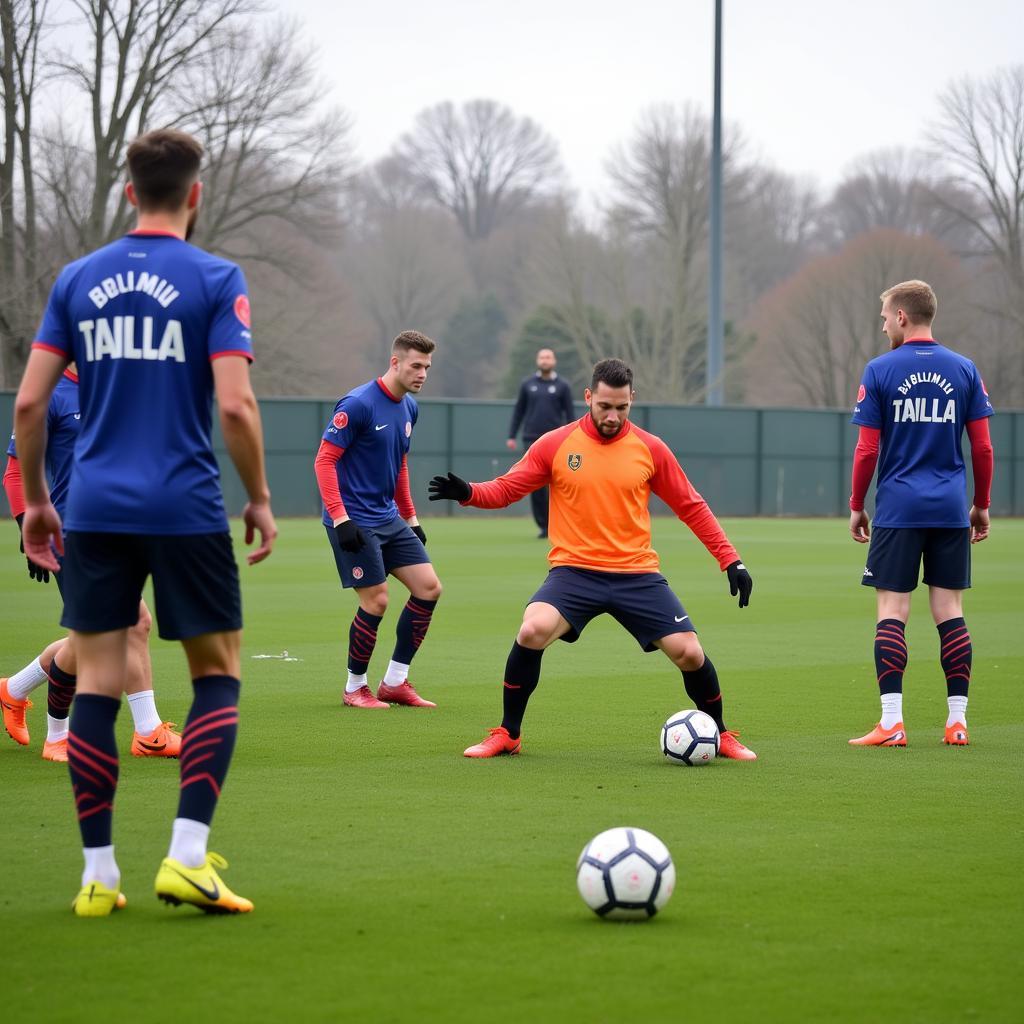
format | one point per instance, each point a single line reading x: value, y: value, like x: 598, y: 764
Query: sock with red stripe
x: 702, y: 688
x: 412, y: 627
x: 93, y: 764
x: 890, y: 664
x: 522, y: 674
x: 362, y: 638
x: 60, y: 691
x: 207, y: 743
x: 956, y: 653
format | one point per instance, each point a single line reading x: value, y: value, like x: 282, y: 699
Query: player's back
x: 921, y: 395
x: 142, y: 317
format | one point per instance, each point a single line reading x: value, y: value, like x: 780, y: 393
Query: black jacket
x: 542, y: 405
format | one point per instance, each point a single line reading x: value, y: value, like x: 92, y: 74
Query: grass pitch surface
x: 395, y: 880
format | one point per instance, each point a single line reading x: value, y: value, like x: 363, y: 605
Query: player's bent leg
x: 15, y: 690
x: 362, y: 638
x: 424, y: 593
x: 62, y: 675
x: 153, y: 737
x: 891, y: 655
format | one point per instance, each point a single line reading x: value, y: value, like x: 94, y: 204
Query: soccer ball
x: 625, y: 874
x: 690, y: 737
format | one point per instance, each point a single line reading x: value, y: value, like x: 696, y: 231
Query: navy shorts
x: 896, y: 554
x: 387, y: 548
x: 195, y: 582
x: 641, y: 602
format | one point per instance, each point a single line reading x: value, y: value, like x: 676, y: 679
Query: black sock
x: 207, y: 742
x: 890, y: 655
x: 93, y: 764
x: 703, y: 689
x: 362, y: 637
x: 413, y: 624
x: 956, y: 655
x: 60, y: 690
x: 522, y: 673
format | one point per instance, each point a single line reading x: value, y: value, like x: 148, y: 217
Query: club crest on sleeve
x: 861, y: 392
x: 340, y: 420
x: 242, y: 310
x: 575, y: 461
x: 408, y: 428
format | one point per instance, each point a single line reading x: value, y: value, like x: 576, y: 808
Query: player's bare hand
x: 258, y: 517
x: 860, y: 531
x: 41, y: 532
x: 979, y: 524
x: 740, y: 582
x: 510, y: 444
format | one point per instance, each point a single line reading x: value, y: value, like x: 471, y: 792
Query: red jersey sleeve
x: 865, y: 458
x: 982, y: 460
x: 529, y: 474
x: 403, y: 493
x: 325, y: 465
x: 671, y: 484
x: 12, y: 486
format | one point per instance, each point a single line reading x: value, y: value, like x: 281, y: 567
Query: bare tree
x: 480, y: 162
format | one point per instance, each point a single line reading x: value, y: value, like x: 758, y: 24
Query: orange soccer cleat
x: 403, y: 694
x: 730, y: 746
x: 14, y: 714
x: 498, y: 742
x: 56, y: 750
x: 879, y: 737
x: 956, y: 735
x: 363, y: 698
x: 163, y: 741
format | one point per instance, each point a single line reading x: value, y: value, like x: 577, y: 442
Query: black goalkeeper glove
x: 449, y: 488
x: 350, y: 537
x: 420, y: 532
x: 740, y: 582
x: 36, y: 572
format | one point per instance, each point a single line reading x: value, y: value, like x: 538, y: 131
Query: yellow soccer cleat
x: 202, y: 887
x: 96, y: 900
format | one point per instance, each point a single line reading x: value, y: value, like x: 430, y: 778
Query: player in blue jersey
x: 153, y: 737
x: 363, y: 476
x: 156, y: 328
x: 912, y: 407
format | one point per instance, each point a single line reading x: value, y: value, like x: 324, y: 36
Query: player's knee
x: 374, y: 604
x: 432, y: 592
x: 533, y: 634
x: 141, y: 630
x: 688, y: 654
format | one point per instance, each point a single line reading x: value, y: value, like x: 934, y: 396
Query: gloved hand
x: 449, y: 488
x: 420, y: 532
x: 36, y: 572
x: 350, y: 537
x: 740, y: 582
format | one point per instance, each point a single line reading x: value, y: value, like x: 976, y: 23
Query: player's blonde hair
x: 915, y: 298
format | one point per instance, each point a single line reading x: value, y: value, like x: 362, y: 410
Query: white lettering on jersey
x: 122, y: 284
x: 915, y: 410
x: 119, y: 339
x: 925, y: 378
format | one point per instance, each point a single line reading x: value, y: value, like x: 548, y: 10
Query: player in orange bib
x: 602, y: 471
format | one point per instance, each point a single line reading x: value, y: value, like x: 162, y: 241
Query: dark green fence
x: 746, y: 462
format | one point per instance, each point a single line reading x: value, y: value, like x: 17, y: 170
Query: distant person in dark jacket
x: 544, y: 403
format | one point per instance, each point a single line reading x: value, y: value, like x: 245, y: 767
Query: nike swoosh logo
x: 681, y: 618
x: 381, y: 427
x: 152, y: 746
x: 210, y: 894
x: 897, y: 736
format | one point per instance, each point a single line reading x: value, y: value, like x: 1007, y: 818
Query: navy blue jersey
x: 142, y: 318
x: 63, y: 424
x: 374, y: 428
x: 920, y: 396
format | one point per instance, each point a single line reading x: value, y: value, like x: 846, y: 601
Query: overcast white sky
x: 812, y: 83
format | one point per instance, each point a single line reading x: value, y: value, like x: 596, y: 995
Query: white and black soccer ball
x: 625, y: 874
x: 690, y: 738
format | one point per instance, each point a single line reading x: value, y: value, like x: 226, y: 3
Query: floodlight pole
x: 716, y: 341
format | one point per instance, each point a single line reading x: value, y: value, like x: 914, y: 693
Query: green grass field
x: 396, y: 881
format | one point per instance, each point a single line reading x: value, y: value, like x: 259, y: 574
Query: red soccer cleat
x: 879, y: 737
x: 729, y: 746
x: 498, y: 742
x: 956, y: 735
x: 14, y: 714
x: 363, y: 698
x: 404, y: 695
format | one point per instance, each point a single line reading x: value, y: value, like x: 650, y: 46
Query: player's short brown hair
x: 915, y: 298
x: 408, y: 340
x: 613, y: 372
x: 163, y: 166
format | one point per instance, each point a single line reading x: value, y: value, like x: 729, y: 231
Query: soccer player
x: 912, y: 406
x: 153, y: 737
x: 156, y: 328
x: 544, y: 402
x: 363, y: 475
x: 602, y: 471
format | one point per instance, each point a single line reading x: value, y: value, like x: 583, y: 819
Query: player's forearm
x: 12, y: 487
x: 865, y: 458
x: 503, y: 491
x: 243, y: 437
x: 707, y: 529
x: 30, y: 429
x: 982, y: 461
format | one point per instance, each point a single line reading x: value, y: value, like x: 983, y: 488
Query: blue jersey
x: 374, y: 428
x: 142, y: 318
x: 920, y: 396
x: 63, y: 423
